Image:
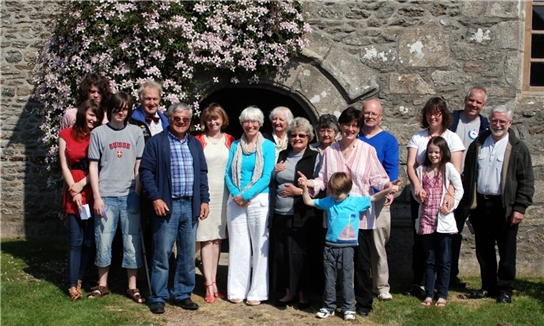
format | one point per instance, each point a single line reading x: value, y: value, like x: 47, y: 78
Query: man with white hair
x: 499, y: 186
x: 147, y: 116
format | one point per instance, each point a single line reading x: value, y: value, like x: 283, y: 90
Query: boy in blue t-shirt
x: 343, y: 212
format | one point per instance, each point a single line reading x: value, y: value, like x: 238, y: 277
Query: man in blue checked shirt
x: 174, y: 176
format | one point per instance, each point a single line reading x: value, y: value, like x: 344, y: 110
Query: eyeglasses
x: 433, y: 114
x: 298, y: 135
x: 500, y: 122
x: 248, y: 122
x: 184, y: 119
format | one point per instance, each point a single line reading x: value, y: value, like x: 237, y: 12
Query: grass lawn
x: 33, y: 292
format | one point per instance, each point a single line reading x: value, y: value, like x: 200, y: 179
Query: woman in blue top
x: 248, y: 175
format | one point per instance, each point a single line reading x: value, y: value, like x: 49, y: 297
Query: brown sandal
x: 98, y: 291
x: 74, y: 293
x: 135, y: 295
x: 79, y: 283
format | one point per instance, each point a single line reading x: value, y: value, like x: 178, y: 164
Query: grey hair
x: 252, y: 113
x: 328, y: 121
x: 481, y: 88
x: 149, y: 83
x: 501, y: 109
x: 282, y: 109
x: 179, y: 107
x: 303, y: 124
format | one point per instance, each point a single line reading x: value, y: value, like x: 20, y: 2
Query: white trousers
x: 378, y: 255
x: 248, y: 247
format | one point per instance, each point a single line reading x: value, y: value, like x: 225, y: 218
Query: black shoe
x: 480, y: 294
x: 415, y: 291
x: 281, y: 304
x: 186, y: 304
x: 363, y: 312
x: 157, y: 307
x: 504, y: 298
x: 303, y: 305
x: 457, y: 284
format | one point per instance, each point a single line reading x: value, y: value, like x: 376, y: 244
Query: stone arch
x: 311, y: 88
x: 235, y: 99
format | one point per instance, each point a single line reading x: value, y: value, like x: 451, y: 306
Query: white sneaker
x: 385, y: 296
x: 349, y: 315
x: 324, y: 313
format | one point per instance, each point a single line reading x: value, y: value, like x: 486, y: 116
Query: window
x: 534, y: 46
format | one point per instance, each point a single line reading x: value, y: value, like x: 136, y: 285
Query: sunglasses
x: 298, y: 135
x: 178, y: 119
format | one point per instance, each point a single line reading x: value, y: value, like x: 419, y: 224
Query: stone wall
x: 401, y: 52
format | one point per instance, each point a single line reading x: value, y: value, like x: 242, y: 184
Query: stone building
x: 400, y: 52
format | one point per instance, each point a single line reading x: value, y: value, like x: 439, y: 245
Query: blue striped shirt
x: 181, y: 167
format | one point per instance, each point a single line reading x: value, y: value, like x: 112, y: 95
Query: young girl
x: 435, y: 223
x: 73, y: 145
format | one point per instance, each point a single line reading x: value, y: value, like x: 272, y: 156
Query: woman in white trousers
x: 248, y: 175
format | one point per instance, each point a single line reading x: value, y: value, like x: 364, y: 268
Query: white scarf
x: 237, y: 161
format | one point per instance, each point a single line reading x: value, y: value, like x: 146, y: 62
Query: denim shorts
x: 124, y: 210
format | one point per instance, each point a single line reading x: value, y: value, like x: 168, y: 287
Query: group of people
x: 143, y: 172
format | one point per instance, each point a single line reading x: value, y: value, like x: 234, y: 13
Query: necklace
x: 214, y: 140
x: 347, y: 151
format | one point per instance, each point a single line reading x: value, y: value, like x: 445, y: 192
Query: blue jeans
x: 438, y: 256
x: 124, y: 210
x: 80, y: 247
x: 177, y: 228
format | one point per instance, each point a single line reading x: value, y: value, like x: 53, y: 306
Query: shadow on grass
x: 531, y: 287
x: 46, y: 259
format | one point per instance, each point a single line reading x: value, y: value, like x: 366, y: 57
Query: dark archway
x: 235, y: 100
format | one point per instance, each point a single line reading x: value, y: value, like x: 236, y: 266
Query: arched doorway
x: 235, y: 100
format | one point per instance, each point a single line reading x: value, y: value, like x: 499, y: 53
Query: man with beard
x: 499, y: 186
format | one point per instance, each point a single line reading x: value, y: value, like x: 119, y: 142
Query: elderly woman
x: 360, y: 160
x: 435, y: 119
x: 73, y: 147
x: 211, y: 231
x: 280, y: 118
x: 248, y: 174
x: 327, y: 129
x: 291, y: 226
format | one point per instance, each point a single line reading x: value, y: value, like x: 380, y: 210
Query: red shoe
x: 210, y: 297
x: 219, y: 294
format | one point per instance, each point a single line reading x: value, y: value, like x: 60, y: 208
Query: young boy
x: 343, y: 219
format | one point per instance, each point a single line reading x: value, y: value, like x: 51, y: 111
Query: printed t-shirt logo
x: 119, y: 153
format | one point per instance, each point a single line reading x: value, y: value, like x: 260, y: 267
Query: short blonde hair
x: 213, y: 111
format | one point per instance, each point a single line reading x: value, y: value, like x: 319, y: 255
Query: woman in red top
x: 73, y: 145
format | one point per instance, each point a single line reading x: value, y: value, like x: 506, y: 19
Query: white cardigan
x: 446, y: 223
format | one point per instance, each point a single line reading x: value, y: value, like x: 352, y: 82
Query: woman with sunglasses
x: 293, y: 223
x: 435, y: 119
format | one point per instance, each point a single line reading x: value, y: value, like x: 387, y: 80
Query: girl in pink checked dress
x: 435, y: 222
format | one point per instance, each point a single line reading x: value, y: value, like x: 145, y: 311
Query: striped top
x: 364, y: 168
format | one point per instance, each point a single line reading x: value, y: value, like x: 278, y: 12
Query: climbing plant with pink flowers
x: 168, y: 41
